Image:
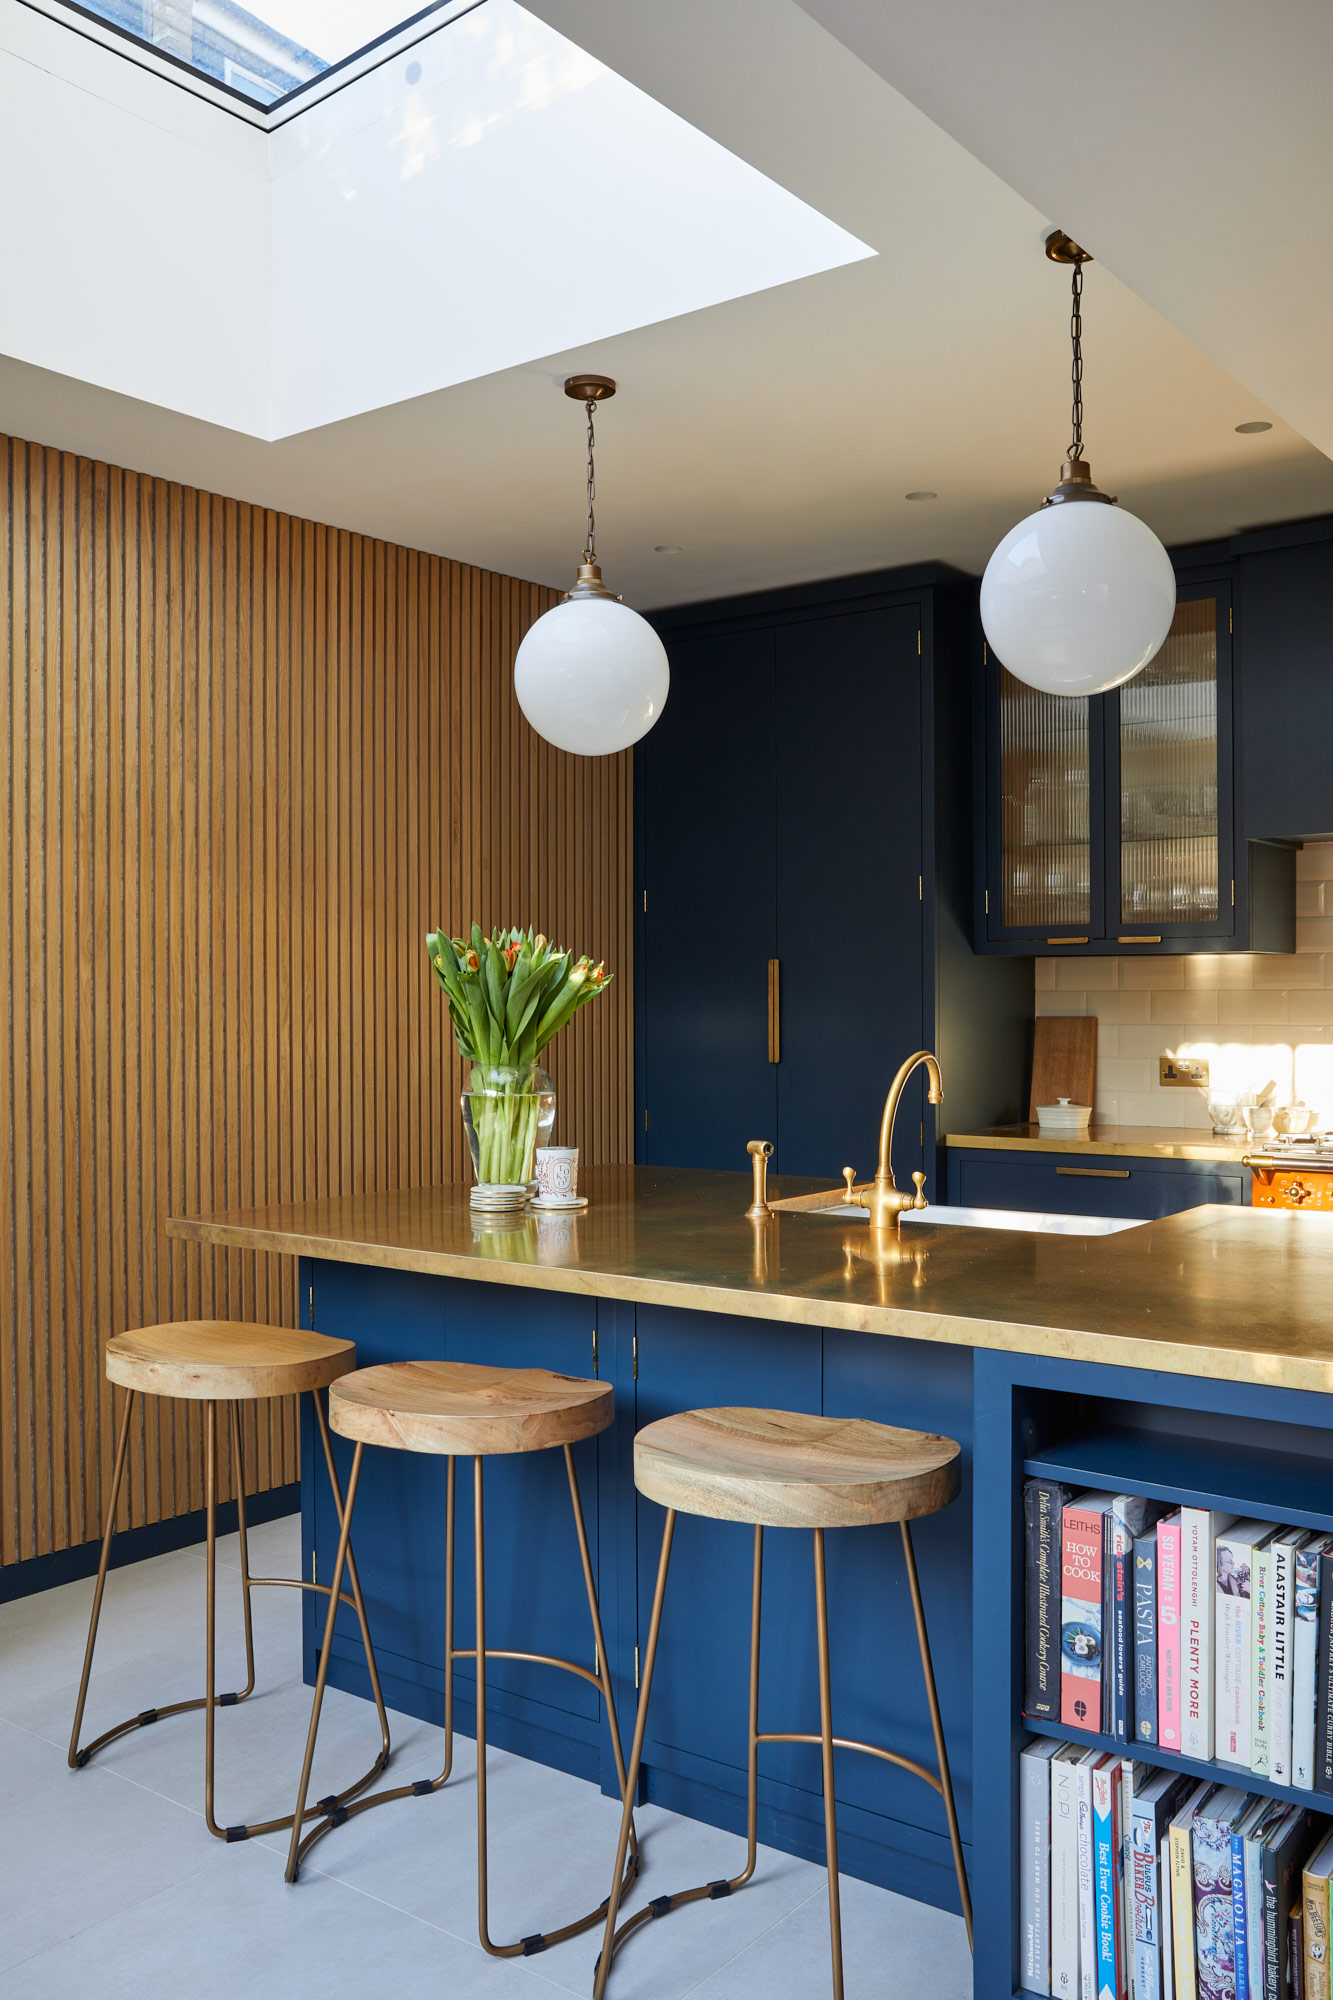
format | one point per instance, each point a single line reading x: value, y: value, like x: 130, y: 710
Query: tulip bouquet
x: 509, y: 994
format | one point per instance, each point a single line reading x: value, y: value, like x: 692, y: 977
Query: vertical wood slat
x: 249, y: 760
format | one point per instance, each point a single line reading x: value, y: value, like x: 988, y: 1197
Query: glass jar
x: 508, y: 1111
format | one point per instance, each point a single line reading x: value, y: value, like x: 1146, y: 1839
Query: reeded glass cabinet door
x: 1170, y: 849
x: 1049, y: 814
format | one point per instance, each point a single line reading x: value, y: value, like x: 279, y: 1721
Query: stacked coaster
x: 496, y: 1196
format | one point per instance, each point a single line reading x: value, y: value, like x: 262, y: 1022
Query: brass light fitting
x: 1075, y: 482
x: 590, y: 390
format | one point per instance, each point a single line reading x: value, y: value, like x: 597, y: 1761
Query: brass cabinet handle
x: 1069, y: 940
x: 1140, y: 940
x: 774, y: 1013
x: 1096, y: 1173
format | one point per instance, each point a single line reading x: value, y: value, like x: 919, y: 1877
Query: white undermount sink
x: 999, y: 1218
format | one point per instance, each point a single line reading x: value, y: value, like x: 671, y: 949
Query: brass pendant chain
x: 590, y: 550
x: 1076, y: 371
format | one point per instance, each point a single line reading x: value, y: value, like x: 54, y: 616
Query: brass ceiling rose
x: 1062, y: 249
x: 590, y: 388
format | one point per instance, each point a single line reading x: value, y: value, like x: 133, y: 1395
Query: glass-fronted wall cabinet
x: 1109, y: 821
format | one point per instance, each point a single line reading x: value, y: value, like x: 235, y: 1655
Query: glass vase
x: 508, y: 1111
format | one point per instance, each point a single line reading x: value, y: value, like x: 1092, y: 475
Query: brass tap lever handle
x: 919, y: 1182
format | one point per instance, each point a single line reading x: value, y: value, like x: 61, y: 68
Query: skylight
x: 264, y: 53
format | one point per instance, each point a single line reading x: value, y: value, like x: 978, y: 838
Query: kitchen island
x: 1189, y: 1356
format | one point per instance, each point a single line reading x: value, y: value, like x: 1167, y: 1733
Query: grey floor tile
x: 77, y: 1846
x: 890, y: 1946
x: 238, y: 1933
x: 110, y: 1885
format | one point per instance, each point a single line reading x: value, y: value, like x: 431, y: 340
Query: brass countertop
x: 1159, y: 1142
x: 1241, y: 1294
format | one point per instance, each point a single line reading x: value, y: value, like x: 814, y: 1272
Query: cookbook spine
x: 1064, y: 1880
x: 1304, y: 1667
x: 1323, y: 1762
x: 1106, y: 1842
x: 1168, y: 1635
x: 1261, y: 1655
x: 1197, y: 1591
x: 1314, y: 1935
x: 1145, y: 1638
x: 1280, y: 1661
x: 1081, y: 1636
x: 1182, y: 1912
x: 1240, y: 1930
x: 1213, y: 1925
x: 1034, y: 1793
x: 1043, y: 1505
x: 1087, y: 1888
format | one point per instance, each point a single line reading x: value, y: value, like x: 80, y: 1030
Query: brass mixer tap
x: 882, y: 1196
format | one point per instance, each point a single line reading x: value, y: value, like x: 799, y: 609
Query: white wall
x: 1252, y: 1016
x: 136, y: 229
x: 394, y: 239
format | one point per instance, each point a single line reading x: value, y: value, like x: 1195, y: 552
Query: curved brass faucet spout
x: 884, y: 1198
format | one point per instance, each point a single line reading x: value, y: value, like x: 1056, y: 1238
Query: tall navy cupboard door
x: 704, y: 778
x: 849, y: 902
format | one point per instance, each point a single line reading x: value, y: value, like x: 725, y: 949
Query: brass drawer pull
x: 1139, y: 940
x: 1069, y: 940
x: 774, y: 1013
x: 1096, y: 1173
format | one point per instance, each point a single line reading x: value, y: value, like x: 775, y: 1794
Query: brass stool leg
x: 238, y: 1479
x: 661, y: 1906
x: 826, y: 1751
x: 210, y: 1605
x: 635, y: 1760
x: 78, y: 1757
x: 599, y: 1643
x: 937, y: 1727
x: 357, y: 1599
x: 335, y: 1588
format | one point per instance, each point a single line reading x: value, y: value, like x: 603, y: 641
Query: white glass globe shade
x: 1078, y: 597
x: 591, y: 676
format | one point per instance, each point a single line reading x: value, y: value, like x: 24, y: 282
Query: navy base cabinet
x: 891, y: 1826
x: 1100, y: 1184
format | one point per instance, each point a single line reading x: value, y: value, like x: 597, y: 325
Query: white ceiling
x: 774, y: 437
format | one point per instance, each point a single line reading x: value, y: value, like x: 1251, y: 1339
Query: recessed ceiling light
x: 666, y: 549
x: 923, y: 495
x: 1252, y: 430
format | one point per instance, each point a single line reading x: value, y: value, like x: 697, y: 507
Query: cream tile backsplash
x: 1252, y: 1017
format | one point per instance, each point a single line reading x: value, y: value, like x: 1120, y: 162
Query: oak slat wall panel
x: 248, y: 762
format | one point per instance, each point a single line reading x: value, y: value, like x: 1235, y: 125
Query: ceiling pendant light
x: 1079, y: 596
x: 591, y: 675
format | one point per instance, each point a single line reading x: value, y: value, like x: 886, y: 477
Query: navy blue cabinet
x: 1080, y: 1184
x: 803, y: 862
x: 1112, y: 823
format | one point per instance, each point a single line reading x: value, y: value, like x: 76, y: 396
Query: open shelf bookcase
x: 1242, y: 1449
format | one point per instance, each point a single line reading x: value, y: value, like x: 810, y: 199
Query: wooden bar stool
x: 778, y: 1469
x: 457, y: 1408
x: 217, y: 1361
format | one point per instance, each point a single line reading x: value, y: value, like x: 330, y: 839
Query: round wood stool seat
x: 781, y: 1469
x: 225, y: 1360
x: 468, y: 1409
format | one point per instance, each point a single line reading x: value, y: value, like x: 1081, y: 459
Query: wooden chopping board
x: 1064, y: 1060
